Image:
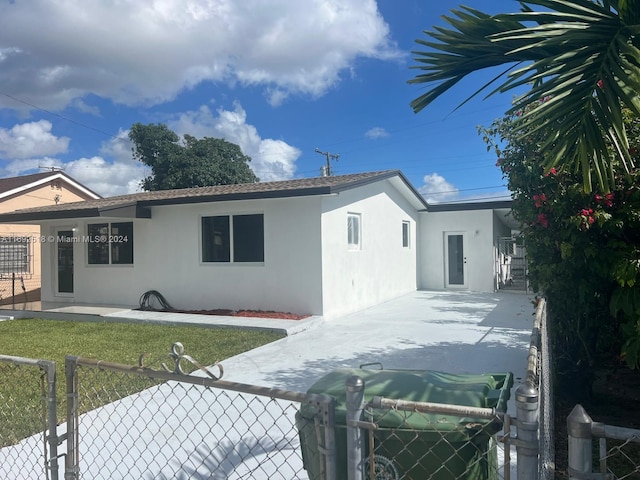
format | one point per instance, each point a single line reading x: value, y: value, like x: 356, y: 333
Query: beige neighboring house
x: 20, y: 265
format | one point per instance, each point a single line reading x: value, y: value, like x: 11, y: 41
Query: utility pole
x: 53, y: 169
x: 326, y: 170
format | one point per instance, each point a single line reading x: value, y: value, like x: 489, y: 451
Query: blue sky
x: 278, y: 77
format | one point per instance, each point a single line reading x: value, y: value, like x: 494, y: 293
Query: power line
x: 62, y: 117
x: 467, y: 200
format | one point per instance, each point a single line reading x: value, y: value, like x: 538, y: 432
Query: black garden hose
x: 153, y: 296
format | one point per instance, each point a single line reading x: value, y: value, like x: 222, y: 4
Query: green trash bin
x: 412, y: 445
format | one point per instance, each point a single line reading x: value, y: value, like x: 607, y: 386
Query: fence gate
x: 28, y: 406
x: 512, y: 264
x: 133, y: 422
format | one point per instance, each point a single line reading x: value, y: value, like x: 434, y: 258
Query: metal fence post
x: 52, y: 416
x: 527, y: 431
x: 355, y: 438
x: 580, y: 442
x: 72, y: 467
x: 329, y: 420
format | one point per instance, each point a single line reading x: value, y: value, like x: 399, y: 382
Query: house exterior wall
x: 382, y: 268
x: 42, y: 195
x: 479, y: 229
x: 167, y: 258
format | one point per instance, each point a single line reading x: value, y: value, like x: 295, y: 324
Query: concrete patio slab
x: 457, y: 332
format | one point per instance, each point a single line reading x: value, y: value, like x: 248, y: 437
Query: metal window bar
x: 15, y: 254
x: 47, y: 419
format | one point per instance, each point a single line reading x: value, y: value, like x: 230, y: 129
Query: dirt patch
x: 615, y: 400
x: 243, y: 313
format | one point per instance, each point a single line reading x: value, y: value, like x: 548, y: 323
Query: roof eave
x: 227, y: 197
x: 27, y: 217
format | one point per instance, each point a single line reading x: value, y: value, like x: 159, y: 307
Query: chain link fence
x: 427, y: 442
x: 142, y: 423
x: 28, y: 434
x: 19, y: 289
x: 546, y: 411
x: 175, y: 419
x: 616, y: 455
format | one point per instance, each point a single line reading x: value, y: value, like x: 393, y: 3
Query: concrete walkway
x: 457, y: 332
x: 56, y: 311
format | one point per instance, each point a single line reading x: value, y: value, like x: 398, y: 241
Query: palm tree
x: 582, y: 56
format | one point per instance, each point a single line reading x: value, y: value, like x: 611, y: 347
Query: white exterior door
x: 455, y: 274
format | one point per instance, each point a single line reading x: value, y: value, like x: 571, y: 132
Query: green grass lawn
x: 20, y: 396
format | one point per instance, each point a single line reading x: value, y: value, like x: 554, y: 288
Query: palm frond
x: 585, y: 54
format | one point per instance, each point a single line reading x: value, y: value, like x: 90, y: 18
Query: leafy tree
x: 583, y: 55
x: 583, y: 250
x: 190, y: 162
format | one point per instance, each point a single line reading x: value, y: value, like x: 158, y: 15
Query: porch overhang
x: 132, y: 210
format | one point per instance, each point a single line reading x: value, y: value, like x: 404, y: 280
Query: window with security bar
x: 15, y: 255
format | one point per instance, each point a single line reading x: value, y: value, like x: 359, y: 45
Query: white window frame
x: 406, y: 234
x: 354, y: 231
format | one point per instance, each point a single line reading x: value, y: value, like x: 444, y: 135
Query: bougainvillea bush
x: 583, y: 250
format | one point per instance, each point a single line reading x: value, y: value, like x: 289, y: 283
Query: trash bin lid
x: 485, y: 390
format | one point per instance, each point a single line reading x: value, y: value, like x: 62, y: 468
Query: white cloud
x: 270, y: 159
x: 376, y: 132
x: 117, y: 176
x: 116, y: 172
x: 26, y: 165
x: 119, y: 148
x: 28, y: 140
x: 436, y: 189
x: 106, y: 178
x: 147, y: 52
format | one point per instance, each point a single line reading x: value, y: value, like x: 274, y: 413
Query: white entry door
x: 455, y: 259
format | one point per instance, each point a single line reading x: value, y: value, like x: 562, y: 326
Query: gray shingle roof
x: 142, y: 200
x: 11, y: 183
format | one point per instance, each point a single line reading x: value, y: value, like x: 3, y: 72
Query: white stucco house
x: 325, y: 246
x: 470, y: 246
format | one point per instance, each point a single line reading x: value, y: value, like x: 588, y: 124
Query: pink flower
x: 543, y: 220
x: 600, y: 84
x: 552, y: 171
x: 586, y: 218
x: 538, y: 200
x: 608, y: 199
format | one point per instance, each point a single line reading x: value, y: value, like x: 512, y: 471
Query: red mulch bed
x: 244, y: 313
